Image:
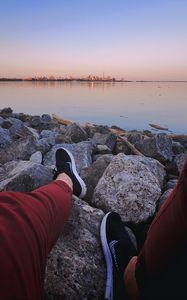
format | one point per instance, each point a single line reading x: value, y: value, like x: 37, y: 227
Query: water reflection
x: 128, y: 105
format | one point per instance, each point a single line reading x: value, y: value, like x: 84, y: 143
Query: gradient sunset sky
x: 133, y: 39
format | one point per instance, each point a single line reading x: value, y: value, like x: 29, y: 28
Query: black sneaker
x: 65, y: 163
x: 118, y: 250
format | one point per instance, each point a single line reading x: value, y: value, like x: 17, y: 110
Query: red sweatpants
x: 30, y: 224
x: 162, y: 264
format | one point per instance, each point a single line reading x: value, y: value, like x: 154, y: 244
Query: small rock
x: 6, y: 111
x: 36, y: 157
x: 92, y: 129
x: 76, y: 133
x: 61, y: 139
x: 103, y: 149
x: 46, y: 118
x: 49, y: 135
x: 108, y: 139
x: 121, y: 147
x: 177, y: 148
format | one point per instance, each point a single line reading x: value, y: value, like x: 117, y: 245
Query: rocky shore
x: 128, y: 172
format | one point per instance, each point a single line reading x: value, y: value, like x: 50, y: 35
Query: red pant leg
x: 162, y: 260
x: 30, y: 224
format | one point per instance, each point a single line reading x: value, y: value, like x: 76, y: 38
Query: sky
x: 130, y: 39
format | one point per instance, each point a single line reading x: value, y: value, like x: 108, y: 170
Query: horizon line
x: 111, y: 79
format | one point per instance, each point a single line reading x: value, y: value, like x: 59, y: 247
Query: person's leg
x: 30, y: 224
x: 159, y: 269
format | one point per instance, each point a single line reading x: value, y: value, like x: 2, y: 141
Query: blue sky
x: 133, y: 39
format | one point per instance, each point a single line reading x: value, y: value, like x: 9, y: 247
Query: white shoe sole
x: 82, y: 183
x: 108, y: 259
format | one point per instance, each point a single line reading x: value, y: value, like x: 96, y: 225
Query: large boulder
x: 24, y: 176
x: 129, y: 188
x: 22, y: 149
x: 81, y: 152
x: 76, y: 268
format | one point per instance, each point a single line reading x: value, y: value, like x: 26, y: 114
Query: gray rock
x: 136, y: 137
x: 154, y: 166
x: 7, y: 168
x: 22, y: 149
x: 5, y: 138
x: 25, y: 176
x: 76, y: 133
x: 15, y: 125
x: 76, y: 268
x: 180, y: 160
x: 36, y: 157
x: 35, y: 121
x: 181, y: 139
x: 177, y: 148
x: 81, y: 152
x: 43, y: 145
x: 1, y: 120
x: 129, y: 188
x: 103, y: 149
x: 6, y: 111
x: 6, y: 124
x: 158, y: 147
x: 25, y: 131
x: 46, y: 118
x: 42, y: 123
x: 163, y: 198
x: 93, y: 173
x: 108, y: 139
x: 121, y: 147
x: 92, y: 129
x: 61, y: 139
x: 50, y: 136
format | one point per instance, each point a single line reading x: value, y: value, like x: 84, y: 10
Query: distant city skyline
x: 134, y: 40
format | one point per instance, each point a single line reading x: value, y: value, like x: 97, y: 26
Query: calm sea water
x: 128, y: 105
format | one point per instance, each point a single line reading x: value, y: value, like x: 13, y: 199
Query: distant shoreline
x: 84, y: 80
